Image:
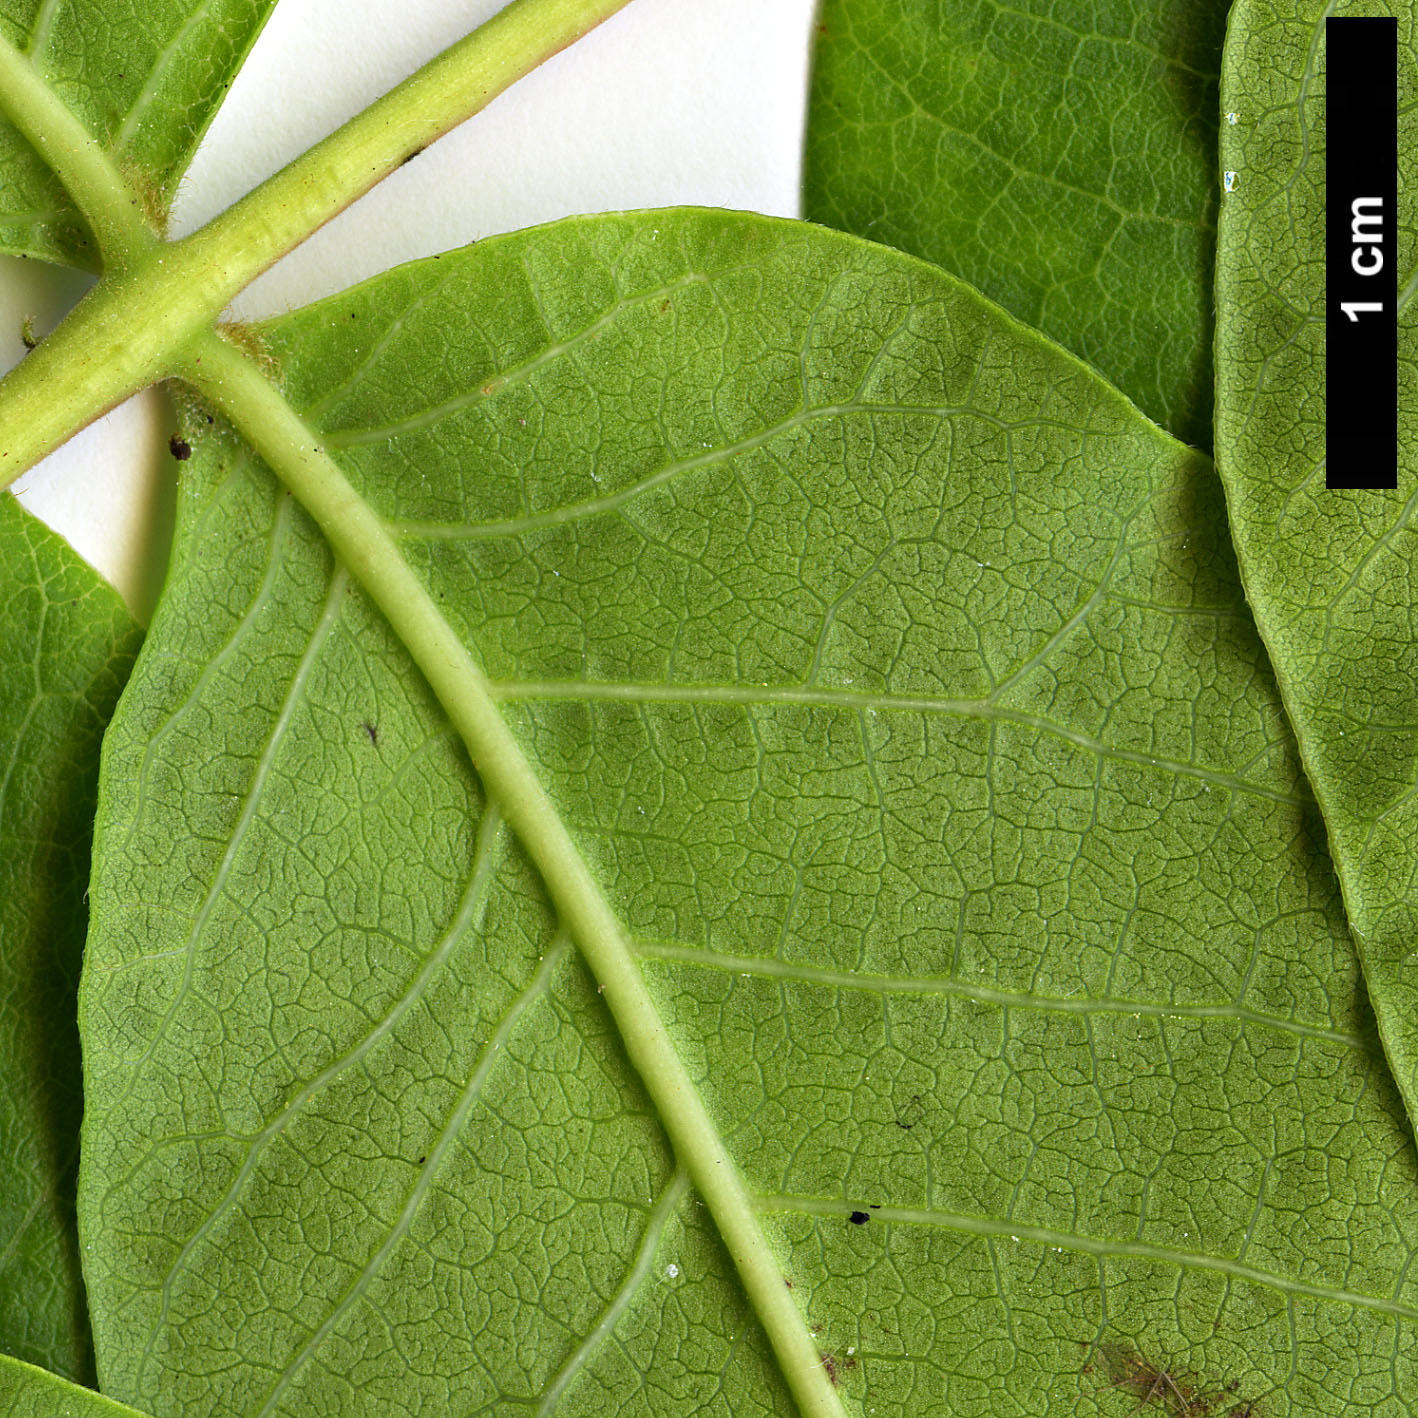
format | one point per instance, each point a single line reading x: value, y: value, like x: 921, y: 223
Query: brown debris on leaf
x: 1161, y: 1388
x: 836, y: 1367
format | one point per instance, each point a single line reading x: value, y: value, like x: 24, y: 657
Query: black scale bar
x: 1361, y: 253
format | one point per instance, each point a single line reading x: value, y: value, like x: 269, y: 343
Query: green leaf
x: 1061, y: 157
x: 1331, y: 575
x: 893, y: 676
x: 144, y: 79
x: 66, y: 644
x: 29, y: 1392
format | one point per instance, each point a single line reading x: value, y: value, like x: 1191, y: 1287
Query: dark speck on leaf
x: 180, y: 448
x: 373, y: 731
x: 859, y: 1218
x: 423, y: 1159
x: 910, y: 1115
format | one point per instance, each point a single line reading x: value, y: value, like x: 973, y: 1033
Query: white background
x: 669, y: 101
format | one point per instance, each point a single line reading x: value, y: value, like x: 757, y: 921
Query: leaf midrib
x: 359, y: 539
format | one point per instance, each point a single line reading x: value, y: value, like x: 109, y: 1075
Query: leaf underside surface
x: 1060, y: 157
x: 30, y: 1392
x: 145, y: 80
x: 1332, y: 575
x: 66, y: 645
x: 894, y: 677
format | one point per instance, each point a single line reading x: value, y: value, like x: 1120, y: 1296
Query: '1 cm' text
x: 1366, y: 259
